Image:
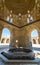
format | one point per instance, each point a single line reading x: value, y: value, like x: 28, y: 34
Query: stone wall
x: 24, y: 35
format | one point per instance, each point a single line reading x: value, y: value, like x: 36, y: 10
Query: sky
x: 5, y: 32
x: 34, y: 33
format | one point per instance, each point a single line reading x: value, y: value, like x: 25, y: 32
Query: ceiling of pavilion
x: 20, y: 6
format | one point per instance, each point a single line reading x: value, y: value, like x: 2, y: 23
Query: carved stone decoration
x: 20, y: 6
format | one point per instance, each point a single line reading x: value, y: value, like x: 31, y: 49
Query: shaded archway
x: 34, y: 41
x: 5, y: 38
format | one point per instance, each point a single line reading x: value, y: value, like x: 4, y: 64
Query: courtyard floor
x: 36, y: 49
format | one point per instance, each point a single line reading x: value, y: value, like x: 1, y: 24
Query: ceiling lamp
x: 16, y: 41
x: 20, y: 14
x: 28, y: 11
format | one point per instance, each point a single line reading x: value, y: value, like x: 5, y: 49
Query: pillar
x: 39, y: 36
x: 0, y: 32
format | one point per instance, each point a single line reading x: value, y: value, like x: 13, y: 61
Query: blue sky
x: 5, y: 32
x: 34, y: 33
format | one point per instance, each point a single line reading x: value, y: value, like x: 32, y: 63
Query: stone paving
x: 2, y: 63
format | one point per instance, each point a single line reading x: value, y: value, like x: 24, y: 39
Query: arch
x: 34, y: 36
x: 34, y: 41
x: 5, y: 38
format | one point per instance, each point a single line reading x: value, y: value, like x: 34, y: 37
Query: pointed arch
x: 5, y: 38
x: 34, y: 36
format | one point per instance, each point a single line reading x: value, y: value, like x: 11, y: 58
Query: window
x: 9, y: 19
x: 29, y: 18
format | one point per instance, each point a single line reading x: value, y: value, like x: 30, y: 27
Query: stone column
x: 14, y: 37
x: 11, y: 39
x: 39, y: 36
x: 1, y: 32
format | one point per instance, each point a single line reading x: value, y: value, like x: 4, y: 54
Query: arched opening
x: 5, y: 38
x: 34, y: 37
x: 34, y: 41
